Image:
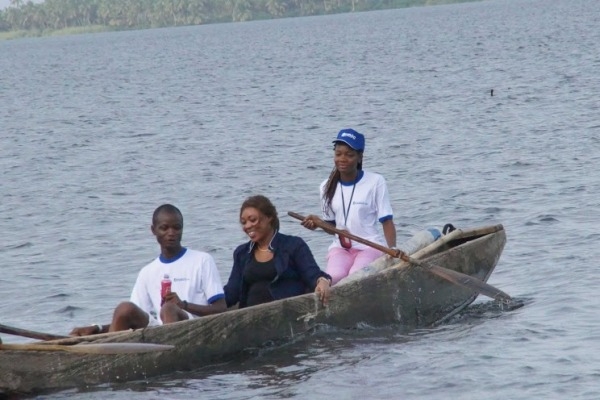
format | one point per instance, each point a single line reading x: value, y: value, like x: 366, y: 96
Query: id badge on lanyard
x: 344, y: 241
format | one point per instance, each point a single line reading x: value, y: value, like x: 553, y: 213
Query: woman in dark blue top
x: 271, y: 266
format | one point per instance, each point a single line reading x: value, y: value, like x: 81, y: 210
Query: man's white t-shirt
x: 366, y: 203
x: 194, y: 277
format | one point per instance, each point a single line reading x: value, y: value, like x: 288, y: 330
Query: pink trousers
x: 342, y: 262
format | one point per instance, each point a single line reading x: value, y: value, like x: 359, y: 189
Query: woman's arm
x: 312, y: 275
x: 306, y: 264
x: 311, y: 221
x: 234, y: 283
x: 389, y: 231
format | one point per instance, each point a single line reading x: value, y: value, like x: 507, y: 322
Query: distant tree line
x: 52, y: 15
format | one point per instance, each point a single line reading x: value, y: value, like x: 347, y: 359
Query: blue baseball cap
x: 351, y: 138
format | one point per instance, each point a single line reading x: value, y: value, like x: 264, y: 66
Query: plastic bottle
x: 344, y: 241
x: 165, y: 288
x: 420, y: 240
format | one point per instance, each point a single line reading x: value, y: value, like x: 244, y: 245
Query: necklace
x: 268, y: 246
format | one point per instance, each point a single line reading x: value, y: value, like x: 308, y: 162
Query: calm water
x: 97, y: 130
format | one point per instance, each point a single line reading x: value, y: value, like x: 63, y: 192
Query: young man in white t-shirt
x: 195, y: 284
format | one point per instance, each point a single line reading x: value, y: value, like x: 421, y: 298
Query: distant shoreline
x: 59, y: 18
x: 21, y: 34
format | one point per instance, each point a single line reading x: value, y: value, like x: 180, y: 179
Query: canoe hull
x: 400, y: 294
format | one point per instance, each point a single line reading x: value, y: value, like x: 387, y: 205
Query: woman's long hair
x: 331, y: 185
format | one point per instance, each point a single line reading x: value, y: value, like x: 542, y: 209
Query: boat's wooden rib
x: 399, y: 294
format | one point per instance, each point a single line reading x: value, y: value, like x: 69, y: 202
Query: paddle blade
x: 92, y: 348
x: 29, y: 334
x: 468, y: 282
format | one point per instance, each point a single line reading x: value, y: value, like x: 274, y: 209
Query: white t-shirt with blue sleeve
x: 194, y: 277
x: 366, y: 204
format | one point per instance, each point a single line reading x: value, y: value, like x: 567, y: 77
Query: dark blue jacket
x: 297, y: 270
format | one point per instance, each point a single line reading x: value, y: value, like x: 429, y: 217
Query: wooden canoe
x: 395, y: 293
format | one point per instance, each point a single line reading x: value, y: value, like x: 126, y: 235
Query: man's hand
x: 84, y: 331
x: 172, y: 297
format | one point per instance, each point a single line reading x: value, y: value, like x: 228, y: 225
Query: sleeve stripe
x: 386, y: 218
x: 216, y: 297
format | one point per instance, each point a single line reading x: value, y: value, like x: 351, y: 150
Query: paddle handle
x: 327, y: 227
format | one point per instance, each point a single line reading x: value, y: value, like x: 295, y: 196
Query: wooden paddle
x: 455, y: 277
x: 29, y: 334
x: 92, y: 348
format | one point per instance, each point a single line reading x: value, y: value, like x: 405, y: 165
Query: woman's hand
x: 309, y: 222
x: 322, y: 290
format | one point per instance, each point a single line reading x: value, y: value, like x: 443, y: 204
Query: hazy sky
x: 5, y: 3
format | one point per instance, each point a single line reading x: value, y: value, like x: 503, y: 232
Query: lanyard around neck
x: 344, y: 209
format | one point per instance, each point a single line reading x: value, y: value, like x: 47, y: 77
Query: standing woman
x: 354, y: 200
x: 271, y: 265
